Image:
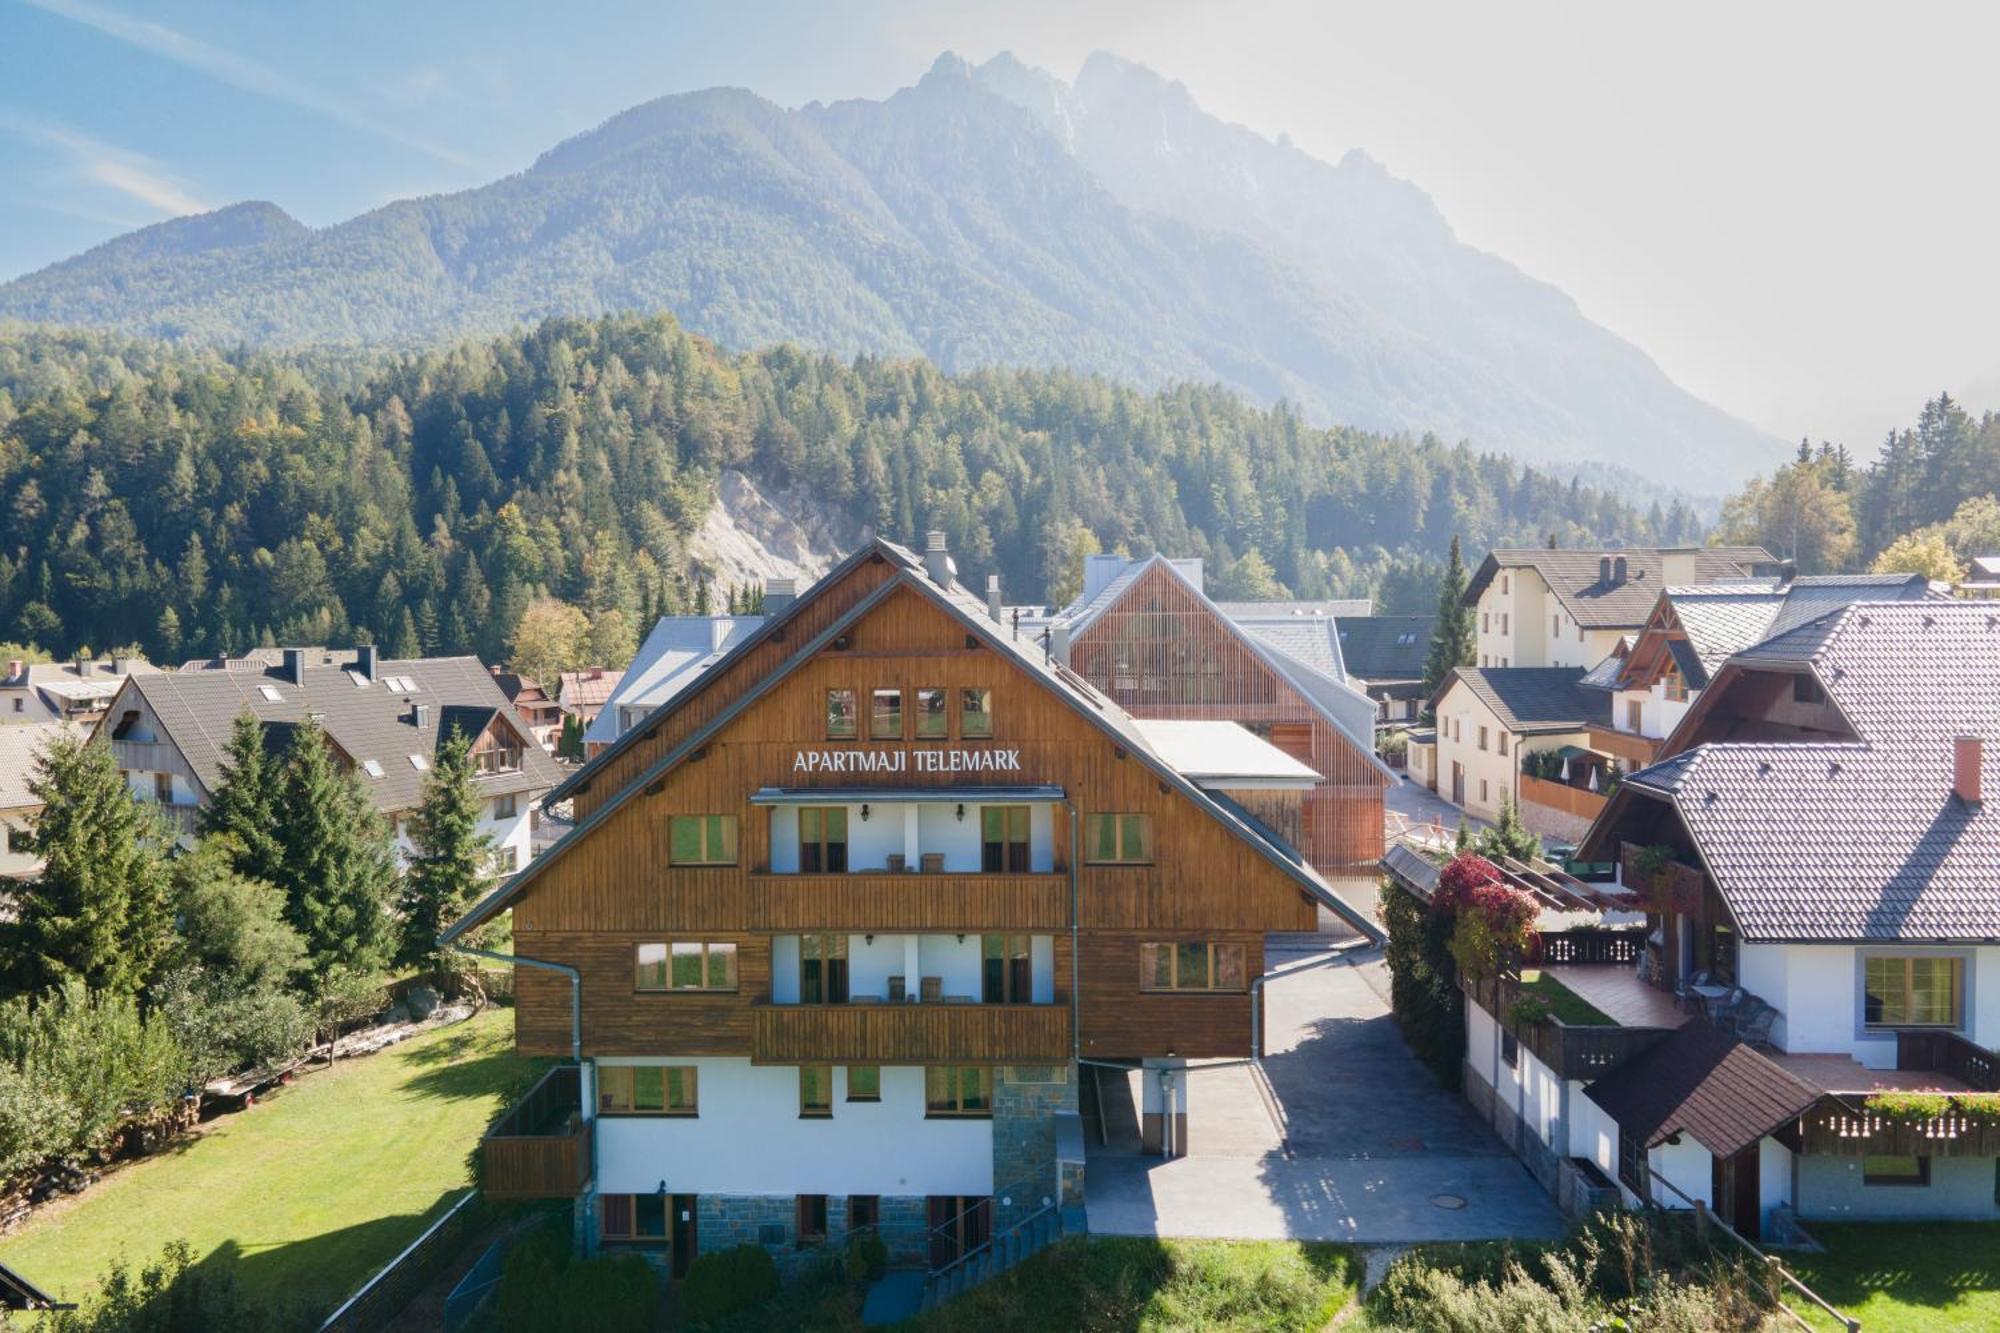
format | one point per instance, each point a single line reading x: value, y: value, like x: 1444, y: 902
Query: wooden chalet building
x: 839, y: 923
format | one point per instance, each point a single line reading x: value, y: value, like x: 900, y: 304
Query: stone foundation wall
x: 1554, y: 824
x: 726, y: 1221
x: 1026, y: 1101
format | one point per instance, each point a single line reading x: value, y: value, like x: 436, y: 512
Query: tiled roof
x: 1576, y: 580
x: 1859, y: 839
x: 1337, y: 609
x: 1312, y: 643
x: 1531, y: 699
x: 1385, y: 648
x: 19, y: 747
x: 1706, y: 1084
x: 587, y: 689
x: 1604, y: 676
x: 374, y: 720
x: 678, y: 649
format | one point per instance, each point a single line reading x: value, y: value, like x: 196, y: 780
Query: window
x: 1510, y: 1048
x: 958, y: 1090
x: 841, y: 718
x: 1191, y: 965
x: 812, y: 1220
x: 1806, y: 690
x: 864, y: 1083
x: 933, y: 715
x: 1555, y: 625
x: 823, y: 839
x: 20, y: 704
x: 506, y: 807
x: 1004, y: 839
x: 1503, y: 743
x: 502, y: 860
x: 822, y: 969
x: 1674, y: 686
x: 885, y: 715
x: 1482, y: 736
x: 372, y: 767
x: 1483, y: 797
x: 1634, y: 711
x: 1913, y: 992
x: 1895, y: 1170
x: 864, y: 1212
x: 702, y: 840
x: 1007, y: 969
x: 1632, y: 1165
x: 1484, y: 622
x: 20, y: 840
x: 1503, y: 583
x: 502, y: 756
x: 1505, y: 617
x: 1118, y: 839
x: 815, y: 1091
x: 633, y: 1216
x: 647, y: 1090
x: 686, y: 965
x: 163, y: 788
x: 975, y: 715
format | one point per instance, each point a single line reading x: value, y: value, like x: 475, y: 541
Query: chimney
x: 1680, y: 567
x: 365, y: 661
x: 16, y: 669
x: 1098, y: 571
x: 1966, y: 756
x: 420, y: 716
x: 295, y: 665
x: 121, y: 665
x: 80, y: 665
x: 779, y: 594
x: 938, y: 561
x: 1059, y: 641
x: 1604, y: 570
x: 1618, y: 570
x: 993, y: 597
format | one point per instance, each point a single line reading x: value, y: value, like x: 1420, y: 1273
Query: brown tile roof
x: 1576, y: 579
x: 587, y: 689
x: 1704, y: 1083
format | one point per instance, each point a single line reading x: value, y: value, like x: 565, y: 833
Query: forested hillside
x: 192, y: 501
x: 989, y: 217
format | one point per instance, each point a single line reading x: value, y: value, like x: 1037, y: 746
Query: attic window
x: 419, y: 763
x: 360, y: 681
x: 271, y: 694
x: 372, y: 767
x: 400, y: 684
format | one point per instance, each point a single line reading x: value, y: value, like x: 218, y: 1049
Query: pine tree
x: 449, y: 857
x: 99, y: 912
x: 338, y: 861
x: 1452, y: 641
x: 244, y: 805
x: 1509, y: 836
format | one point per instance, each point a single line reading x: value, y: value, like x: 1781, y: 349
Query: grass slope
x: 1911, y: 1277
x: 310, y: 1192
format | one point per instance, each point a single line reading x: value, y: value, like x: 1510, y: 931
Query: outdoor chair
x: 1753, y: 1028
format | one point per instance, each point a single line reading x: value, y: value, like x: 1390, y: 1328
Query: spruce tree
x: 244, y: 806
x: 99, y: 912
x: 339, y: 862
x: 449, y: 857
x: 1452, y: 641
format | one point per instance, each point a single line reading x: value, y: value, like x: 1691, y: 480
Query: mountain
x: 989, y: 216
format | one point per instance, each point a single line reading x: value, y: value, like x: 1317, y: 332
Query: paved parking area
x: 1344, y: 1137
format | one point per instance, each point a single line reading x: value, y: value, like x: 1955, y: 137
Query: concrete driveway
x: 1341, y: 1135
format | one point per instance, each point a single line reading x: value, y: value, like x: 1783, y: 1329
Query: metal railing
x: 1777, y: 1277
x: 1026, y: 1238
x: 384, y: 1295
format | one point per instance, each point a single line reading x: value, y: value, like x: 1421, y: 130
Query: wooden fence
x: 1560, y: 796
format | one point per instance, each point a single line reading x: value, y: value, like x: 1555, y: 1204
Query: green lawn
x: 309, y: 1193
x: 1912, y: 1277
x: 1565, y: 1005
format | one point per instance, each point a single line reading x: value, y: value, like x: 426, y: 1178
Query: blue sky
x: 1788, y: 205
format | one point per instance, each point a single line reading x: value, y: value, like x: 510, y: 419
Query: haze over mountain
x: 984, y: 216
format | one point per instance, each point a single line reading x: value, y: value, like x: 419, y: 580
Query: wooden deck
x: 1837, y: 1072
x: 1620, y: 995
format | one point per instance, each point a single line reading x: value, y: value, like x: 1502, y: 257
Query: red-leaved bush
x: 1492, y: 923
x: 1466, y: 872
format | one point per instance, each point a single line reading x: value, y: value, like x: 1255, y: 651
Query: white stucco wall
x: 1688, y: 1165
x: 1482, y: 1042
x: 1774, y: 1175
x: 1658, y: 715
x: 1594, y: 1135
x: 16, y: 864
x: 911, y: 829
x: 1817, y: 990
x: 1831, y: 1188
x: 870, y: 964
x: 750, y: 1139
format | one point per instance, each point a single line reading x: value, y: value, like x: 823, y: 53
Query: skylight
x: 360, y: 681
x: 372, y: 767
x: 419, y: 763
x: 271, y: 694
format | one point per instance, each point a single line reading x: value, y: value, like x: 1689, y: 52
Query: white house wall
x: 1690, y: 1168
x: 1961, y: 1189
x: 1817, y: 990
x: 910, y: 829
x: 1774, y: 1175
x: 750, y: 1139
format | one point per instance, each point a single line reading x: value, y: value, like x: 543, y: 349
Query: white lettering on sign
x: 904, y: 761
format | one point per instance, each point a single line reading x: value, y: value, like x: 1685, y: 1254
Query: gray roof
x: 972, y: 613
x: 1575, y: 578
x: 1311, y: 643
x: 1385, y: 648
x: 1536, y: 699
x: 1212, y: 753
x: 1858, y: 839
x: 678, y: 650
x: 1335, y: 609
x: 368, y: 721
x: 1604, y: 676
x: 20, y: 746
x: 1726, y: 618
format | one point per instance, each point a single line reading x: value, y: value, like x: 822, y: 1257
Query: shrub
x: 866, y: 1256
x: 171, y: 1294
x: 1423, y: 982
x: 1464, y: 873
x: 725, y: 1283
x: 544, y: 1286
x: 1494, y: 927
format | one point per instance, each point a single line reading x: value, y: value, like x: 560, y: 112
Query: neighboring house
x: 1384, y: 657
x: 1535, y: 607
x: 384, y: 719
x: 1815, y: 855
x: 539, y: 714
x: 583, y: 694
x: 1982, y: 578
x: 76, y: 691
x: 1144, y: 632
x: 677, y: 651
x: 1488, y: 721
x: 845, y: 913
x: 20, y: 747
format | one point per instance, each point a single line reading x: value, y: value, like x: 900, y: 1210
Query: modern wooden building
x: 1146, y: 634
x: 840, y: 922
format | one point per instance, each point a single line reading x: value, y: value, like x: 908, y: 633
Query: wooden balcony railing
x: 1632, y: 752
x: 881, y: 900
x: 540, y: 1149
x: 1607, y: 947
x: 1949, y: 1053
x: 1581, y: 1052
x: 1838, y: 1127
x: 911, y: 1033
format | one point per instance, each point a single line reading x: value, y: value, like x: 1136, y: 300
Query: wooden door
x: 1736, y: 1186
x: 685, y: 1243
x: 1457, y: 783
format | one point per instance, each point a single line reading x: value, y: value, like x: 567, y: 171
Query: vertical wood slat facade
x: 1160, y: 652
x: 614, y: 888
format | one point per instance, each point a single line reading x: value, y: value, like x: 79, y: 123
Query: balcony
x: 885, y: 900
x: 1951, y: 1055
x: 1676, y: 885
x: 1630, y: 1017
x: 1631, y: 750
x: 910, y: 1033
x: 540, y: 1149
